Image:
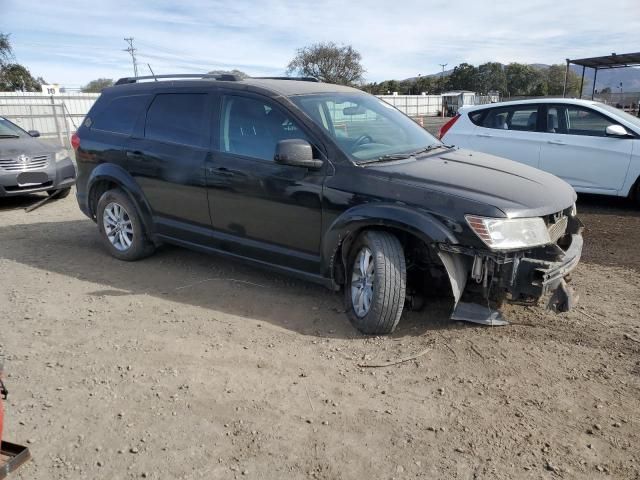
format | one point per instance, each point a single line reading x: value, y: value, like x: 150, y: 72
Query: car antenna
x: 154, y: 75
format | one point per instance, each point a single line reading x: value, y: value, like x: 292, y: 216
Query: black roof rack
x: 225, y: 77
x: 299, y: 79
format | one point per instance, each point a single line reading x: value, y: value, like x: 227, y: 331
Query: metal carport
x: 614, y: 60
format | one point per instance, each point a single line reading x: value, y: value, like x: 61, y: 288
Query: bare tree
x: 329, y: 63
x: 6, y: 52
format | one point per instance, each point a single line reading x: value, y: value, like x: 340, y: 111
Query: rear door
x: 577, y: 149
x: 167, y: 159
x: 511, y: 132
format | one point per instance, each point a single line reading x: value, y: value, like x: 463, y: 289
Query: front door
x: 259, y: 208
x: 577, y: 150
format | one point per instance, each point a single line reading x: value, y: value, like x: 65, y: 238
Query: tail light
x: 445, y: 128
x: 75, y: 141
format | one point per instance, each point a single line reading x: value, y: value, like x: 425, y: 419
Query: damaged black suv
x: 327, y: 183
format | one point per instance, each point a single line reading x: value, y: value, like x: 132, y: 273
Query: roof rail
x: 298, y: 79
x: 225, y: 77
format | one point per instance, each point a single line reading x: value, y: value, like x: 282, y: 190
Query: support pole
x: 582, y: 82
x: 566, y: 77
x: 593, y: 89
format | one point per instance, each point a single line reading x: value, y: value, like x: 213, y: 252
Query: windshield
x: 635, y: 121
x: 365, y: 127
x: 9, y: 130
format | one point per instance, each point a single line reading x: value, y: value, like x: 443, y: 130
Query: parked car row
x: 327, y: 183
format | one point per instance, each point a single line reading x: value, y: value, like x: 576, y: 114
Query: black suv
x: 327, y: 183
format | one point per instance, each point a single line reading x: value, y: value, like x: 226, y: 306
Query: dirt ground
x: 188, y: 366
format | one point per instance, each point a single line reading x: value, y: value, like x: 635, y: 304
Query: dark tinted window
x: 252, y: 127
x: 476, y: 117
x: 522, y: 118
x: 178, y: 118
x: 120, y: 115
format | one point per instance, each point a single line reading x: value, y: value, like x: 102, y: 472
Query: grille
x: 557, y: 230
x: 14, y: 165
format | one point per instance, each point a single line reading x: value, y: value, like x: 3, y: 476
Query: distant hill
x: 630, y: 77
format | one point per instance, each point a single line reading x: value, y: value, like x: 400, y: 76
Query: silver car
x: 29, y: 164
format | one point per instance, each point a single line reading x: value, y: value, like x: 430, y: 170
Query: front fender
x: 112, y: 173
x: 418, y: 223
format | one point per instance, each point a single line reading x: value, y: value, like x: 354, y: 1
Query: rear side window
x: 178, y: 118
x: 476, y: 117
x: 524, y: 118
x: 120, y: 115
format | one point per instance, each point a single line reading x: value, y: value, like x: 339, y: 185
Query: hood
x: 516, y: 189
x: 12, y: 147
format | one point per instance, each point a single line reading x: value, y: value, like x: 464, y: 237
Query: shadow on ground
x: 73, y: 248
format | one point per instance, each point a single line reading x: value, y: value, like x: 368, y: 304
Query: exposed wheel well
x: 424, y: 267
x: 97, y: 189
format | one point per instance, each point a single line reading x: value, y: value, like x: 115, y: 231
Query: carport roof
x: 610, y: 61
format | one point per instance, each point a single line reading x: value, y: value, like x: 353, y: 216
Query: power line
x: 132, y: 51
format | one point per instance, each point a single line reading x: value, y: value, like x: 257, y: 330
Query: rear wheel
x: 376, y: 283
x: 120, y: 227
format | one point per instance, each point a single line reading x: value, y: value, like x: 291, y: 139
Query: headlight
x: 506, y: 234
x: 574, y: 210
x: 61, y: 155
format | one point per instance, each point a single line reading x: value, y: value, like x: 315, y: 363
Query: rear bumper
x: 59, y: 175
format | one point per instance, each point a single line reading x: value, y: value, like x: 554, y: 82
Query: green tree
x: 555, y: 81
x: 491, y: 77
x: 96, y: 86
x: 16, y: 78
x: 463, y: 77
x: 329, y: 63
x: 521, y: 79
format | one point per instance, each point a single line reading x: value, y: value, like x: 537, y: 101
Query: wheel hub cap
x: 362, y: 280
x: 117, y: 226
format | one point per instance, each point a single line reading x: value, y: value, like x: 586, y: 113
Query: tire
x: 388, y: 282
x: 64, y: 192
x: 130, y: 241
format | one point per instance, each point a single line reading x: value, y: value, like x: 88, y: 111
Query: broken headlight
x: 509, y: 233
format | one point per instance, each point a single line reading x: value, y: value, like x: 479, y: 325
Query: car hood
x: 12, y: 147
x: 516, y: 189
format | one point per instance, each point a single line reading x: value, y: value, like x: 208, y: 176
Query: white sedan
x: 592, y: 146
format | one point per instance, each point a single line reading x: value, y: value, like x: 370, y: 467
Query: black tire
x: 64, y: 192
x: 140, y: 246
x: 389, y: 283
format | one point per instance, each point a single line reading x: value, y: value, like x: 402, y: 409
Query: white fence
x: 56, y: 117
x: 415, y: 105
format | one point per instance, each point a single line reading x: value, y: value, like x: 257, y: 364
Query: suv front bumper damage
x: 481, y: 277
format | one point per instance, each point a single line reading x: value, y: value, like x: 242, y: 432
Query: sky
x: 72, y: 42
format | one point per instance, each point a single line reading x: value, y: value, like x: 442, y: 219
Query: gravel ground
x: 190, y: 366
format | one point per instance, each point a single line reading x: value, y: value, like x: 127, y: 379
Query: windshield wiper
x: 404, y: 156
x: 9, y: 136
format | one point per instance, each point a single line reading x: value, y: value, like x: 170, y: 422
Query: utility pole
x: 444, y: 104
x: 132, y: 51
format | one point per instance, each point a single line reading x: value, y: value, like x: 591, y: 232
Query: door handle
x: 222, y: 171
x: 134, y: 154
x: 485, y: 135
x: 555, y: 142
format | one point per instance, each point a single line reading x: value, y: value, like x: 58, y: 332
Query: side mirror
x: 34, y: 133
x: 616, y: 131
x: 297, y: 153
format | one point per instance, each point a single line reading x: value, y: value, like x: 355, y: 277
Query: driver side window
x: 252, y: 127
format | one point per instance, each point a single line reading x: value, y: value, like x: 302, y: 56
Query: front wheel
x: 376, y: 283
